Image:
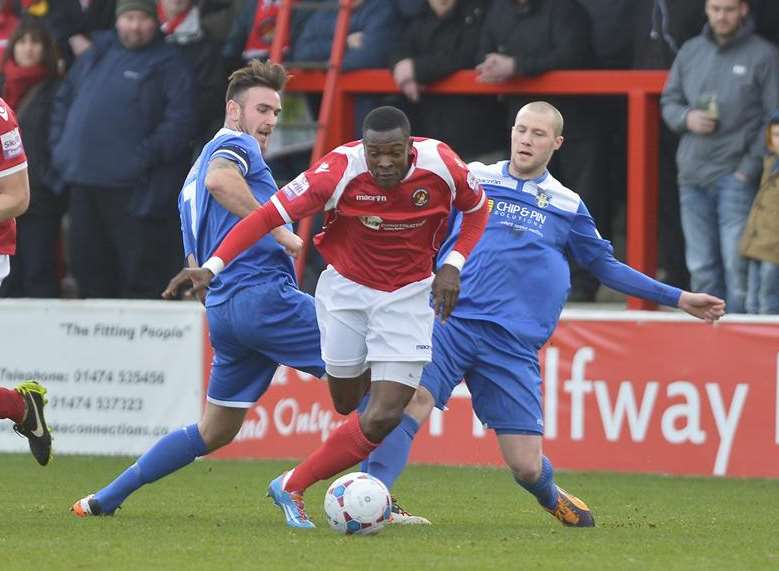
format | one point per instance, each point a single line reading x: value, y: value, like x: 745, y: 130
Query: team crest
x: 542, y: 199
x: 420, y: 197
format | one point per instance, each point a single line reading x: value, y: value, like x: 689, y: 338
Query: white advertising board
x: 119, y: 373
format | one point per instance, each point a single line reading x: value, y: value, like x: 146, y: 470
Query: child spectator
x: 760, y: 243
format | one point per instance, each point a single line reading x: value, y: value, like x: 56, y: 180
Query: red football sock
x: 346, y: 447
x: 11, y: 405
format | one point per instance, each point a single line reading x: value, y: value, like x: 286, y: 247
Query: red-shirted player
x: 387, y: 200
x: 24, y: 404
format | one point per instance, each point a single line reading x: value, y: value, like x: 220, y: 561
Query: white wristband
x: 214, y: 265
x: 455, y: 259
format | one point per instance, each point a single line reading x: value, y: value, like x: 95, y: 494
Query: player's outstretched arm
x: 200, y: 278
x: 702, y: 305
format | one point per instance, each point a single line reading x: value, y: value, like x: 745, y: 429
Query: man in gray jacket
x: 721, y: 90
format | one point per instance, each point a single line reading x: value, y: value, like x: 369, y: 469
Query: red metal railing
x: 641, y: 88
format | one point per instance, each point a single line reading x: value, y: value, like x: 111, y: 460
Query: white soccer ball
x: 357, y: 503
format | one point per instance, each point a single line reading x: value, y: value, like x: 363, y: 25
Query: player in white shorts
x: 387, y: 200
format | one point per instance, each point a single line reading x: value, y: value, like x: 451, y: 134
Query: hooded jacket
x: 743, y: 74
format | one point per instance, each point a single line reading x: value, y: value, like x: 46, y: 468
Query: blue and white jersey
x: 205, y: 222
x: 518, y: 275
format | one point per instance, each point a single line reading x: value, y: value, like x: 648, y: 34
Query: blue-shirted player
x: 257, y: 318
x: 513, y: 289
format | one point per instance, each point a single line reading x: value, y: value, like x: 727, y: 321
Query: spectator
x: 760, y: 242
x: 530, y: 37
x: 217, y: 17
x: 661, y: 28
x: 372, y: 28
x: 121, y: 128
x: 29, y: 81
x: 438, y: 42
x: 251, y: 35
x: 720, y: 93
x: 180, y: 22
x: 74, y: 21
x: 612, y: 34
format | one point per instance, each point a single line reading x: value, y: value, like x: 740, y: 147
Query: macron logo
x: 324, y: 167
x: 371, y: 198
x: 3, y: 113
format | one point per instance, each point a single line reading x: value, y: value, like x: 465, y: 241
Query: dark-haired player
x: 387, y: 200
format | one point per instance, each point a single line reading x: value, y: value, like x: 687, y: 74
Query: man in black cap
x: 121, y: 129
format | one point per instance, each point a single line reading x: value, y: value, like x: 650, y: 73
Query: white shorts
x: 5, y: 267
x: 389, y: 332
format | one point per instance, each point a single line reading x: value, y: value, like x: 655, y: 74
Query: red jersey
x: 377, y: 237
x: 12, y: 160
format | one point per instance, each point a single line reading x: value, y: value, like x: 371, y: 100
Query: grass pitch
x: 213, y: 515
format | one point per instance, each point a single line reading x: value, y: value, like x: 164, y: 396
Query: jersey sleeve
x: 13, y: 158
x: 468, y: 193
x: 246, y: 155
x: 584, y: 241
x: 597, y: 255
x: 314, y: 190
x: 307, y: 194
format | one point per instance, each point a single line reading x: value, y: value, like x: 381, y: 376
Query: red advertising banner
x: 628, y: 391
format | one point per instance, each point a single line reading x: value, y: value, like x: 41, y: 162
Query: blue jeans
x: 713, y: 219
x: 763, y: 288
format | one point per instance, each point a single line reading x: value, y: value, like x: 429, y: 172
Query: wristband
x: 214, y: 265
x: 455, y: 259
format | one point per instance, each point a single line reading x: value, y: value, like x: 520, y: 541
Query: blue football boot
x: 291, y: 503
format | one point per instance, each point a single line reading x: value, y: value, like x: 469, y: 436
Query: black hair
x: 37, y: 30
x: 386, y: 118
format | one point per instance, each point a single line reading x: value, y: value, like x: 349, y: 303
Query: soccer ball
x: 357, y: 503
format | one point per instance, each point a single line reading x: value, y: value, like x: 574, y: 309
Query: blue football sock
x: 390, y: 458
x: 544, y: 489
x: 171, y: 452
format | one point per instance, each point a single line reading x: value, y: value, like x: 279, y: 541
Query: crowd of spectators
x: 115, y: 97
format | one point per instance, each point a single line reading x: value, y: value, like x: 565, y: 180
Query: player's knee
x: 345, y: 403
x: 216, y: 436
x: 378, y: 424
x: 525, y: 469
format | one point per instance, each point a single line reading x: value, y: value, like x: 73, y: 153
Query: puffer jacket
x: 761, y: 235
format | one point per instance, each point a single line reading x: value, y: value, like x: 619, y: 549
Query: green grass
x: 213, y: 515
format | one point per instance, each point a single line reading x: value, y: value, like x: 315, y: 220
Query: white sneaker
x: 402, y: 517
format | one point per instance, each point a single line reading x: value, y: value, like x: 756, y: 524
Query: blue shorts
x: 255, y: 331
x: 502, y: 374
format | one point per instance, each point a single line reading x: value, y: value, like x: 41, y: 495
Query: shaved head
x: 544, y: 108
